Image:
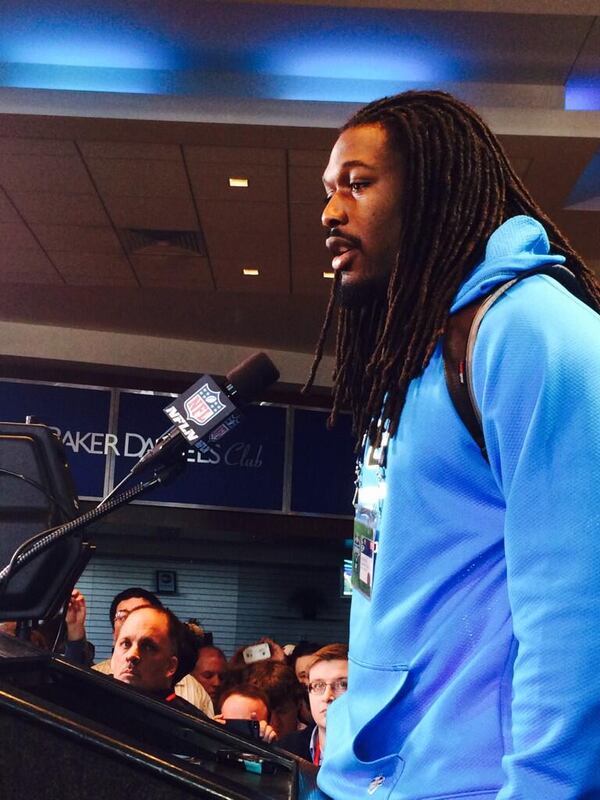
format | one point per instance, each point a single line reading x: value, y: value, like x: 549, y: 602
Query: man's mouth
x: 129, y: 672
x: 343, y: 249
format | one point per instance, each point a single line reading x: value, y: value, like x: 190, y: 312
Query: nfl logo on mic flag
x: 203, y: 405
x: 204, y: 409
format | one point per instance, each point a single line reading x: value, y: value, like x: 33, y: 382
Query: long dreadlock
x: 459, y: 187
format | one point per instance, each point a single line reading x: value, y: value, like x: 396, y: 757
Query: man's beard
x: 366, y: 292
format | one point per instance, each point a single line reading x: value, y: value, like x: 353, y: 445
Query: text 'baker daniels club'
x: 133, y: 445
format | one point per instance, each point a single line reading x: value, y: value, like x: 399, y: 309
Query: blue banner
x: 246, y: 469
x: 323, y: 464
x: 243, y: 470
x: 80, y: 418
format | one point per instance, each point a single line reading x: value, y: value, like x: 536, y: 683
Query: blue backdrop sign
x: 80, y: 418
x: 243, y: 470
x: 253, y: 467
x: 322, y: 464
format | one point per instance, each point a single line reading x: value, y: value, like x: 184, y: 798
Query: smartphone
x: 250, y: 728
x: 256, y: 652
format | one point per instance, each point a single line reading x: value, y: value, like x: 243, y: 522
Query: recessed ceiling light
x: 240, y: 183
x: 329, y: 275
x: 250, y: 271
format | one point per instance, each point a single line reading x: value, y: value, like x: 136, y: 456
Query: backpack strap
x: 459, y: 345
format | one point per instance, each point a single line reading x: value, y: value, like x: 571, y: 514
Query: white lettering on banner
x: 81, y: 441
x: 211, y: 456
x: 239, y: 455
x: 94, y: 443
x: 142, y: 443
x: 110, y: 443
x: 97, y: 444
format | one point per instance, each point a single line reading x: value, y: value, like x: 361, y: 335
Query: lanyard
x: 317, y: 752
x: 369, y: 496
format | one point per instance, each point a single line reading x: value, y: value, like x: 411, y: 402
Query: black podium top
x: 70, y: 732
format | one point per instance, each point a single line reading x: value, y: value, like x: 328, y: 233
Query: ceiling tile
x: 93, y: 269
x: 195, y: 154
x: 139, y: 177
x: 73, y: 239
x: 148, y: 151
x: 42, y: 173
x: 7, y: 211
x: 17, y: 236
x: 27, y: 266
x: 310, y: 158
x: 245, y: 231
x: 157, y: 213
x: 306, y: 185
x: 587, y: 64
x: 310, y: 258
x: 60, y: 209
x: 265, y: 182
x: 581, y: 229
x: 549, y: 186
x: 181, y: 272
x: 273, y: 277
x: 37, y: 147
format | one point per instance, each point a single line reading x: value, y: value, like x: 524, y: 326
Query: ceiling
x: 117, y: 118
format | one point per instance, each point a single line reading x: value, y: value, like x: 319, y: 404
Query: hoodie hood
x: 519, y: 244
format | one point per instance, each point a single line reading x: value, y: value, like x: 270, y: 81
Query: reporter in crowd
x: 327, y: 680
x: 122, y: 605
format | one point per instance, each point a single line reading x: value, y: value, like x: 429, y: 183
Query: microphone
x: 207, y: 410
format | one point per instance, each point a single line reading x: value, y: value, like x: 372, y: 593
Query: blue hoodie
x: 475, y: 665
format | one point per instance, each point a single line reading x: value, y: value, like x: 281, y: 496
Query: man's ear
x: 172, y: 669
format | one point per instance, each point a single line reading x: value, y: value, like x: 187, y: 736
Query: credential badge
x: 203, y: 405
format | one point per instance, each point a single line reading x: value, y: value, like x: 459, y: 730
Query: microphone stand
x: 41, y: 541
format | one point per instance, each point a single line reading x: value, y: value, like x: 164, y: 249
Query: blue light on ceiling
x: 283, y: 87
x: 87, y: 79
x: 582, y: 96
x: 85, y: 47
x: 373, y: 62
x: 82, y: 49
x: 83, y: 37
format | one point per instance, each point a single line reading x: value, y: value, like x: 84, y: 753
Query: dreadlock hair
x: 459, y: 187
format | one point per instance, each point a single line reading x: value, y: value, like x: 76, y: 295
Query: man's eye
x: 357, y: 186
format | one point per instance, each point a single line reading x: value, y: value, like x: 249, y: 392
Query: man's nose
x: 133, y: 654
x: 328, y: 694
x: 334, y: 213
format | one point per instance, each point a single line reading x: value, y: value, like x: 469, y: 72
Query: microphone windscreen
x: 255, y: 374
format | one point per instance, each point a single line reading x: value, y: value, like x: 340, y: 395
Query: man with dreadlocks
x: 474, y: 643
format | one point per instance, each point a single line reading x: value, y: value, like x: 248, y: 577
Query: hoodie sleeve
x: 536, y: 376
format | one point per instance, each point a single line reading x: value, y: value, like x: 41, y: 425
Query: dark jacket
x: 298, y: 743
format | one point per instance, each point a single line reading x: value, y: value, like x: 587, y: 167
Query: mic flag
x: 204, y: 413
x: 208, y: 410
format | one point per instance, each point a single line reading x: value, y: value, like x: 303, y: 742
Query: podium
x: 72, y: 734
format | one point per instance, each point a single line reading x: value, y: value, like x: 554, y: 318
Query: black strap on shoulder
x: 459, y: 343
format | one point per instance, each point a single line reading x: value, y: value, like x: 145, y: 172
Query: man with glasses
x: 327, y: 680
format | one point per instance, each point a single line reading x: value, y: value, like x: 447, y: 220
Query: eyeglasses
x: 338, y: 686
x: 123, y: 613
